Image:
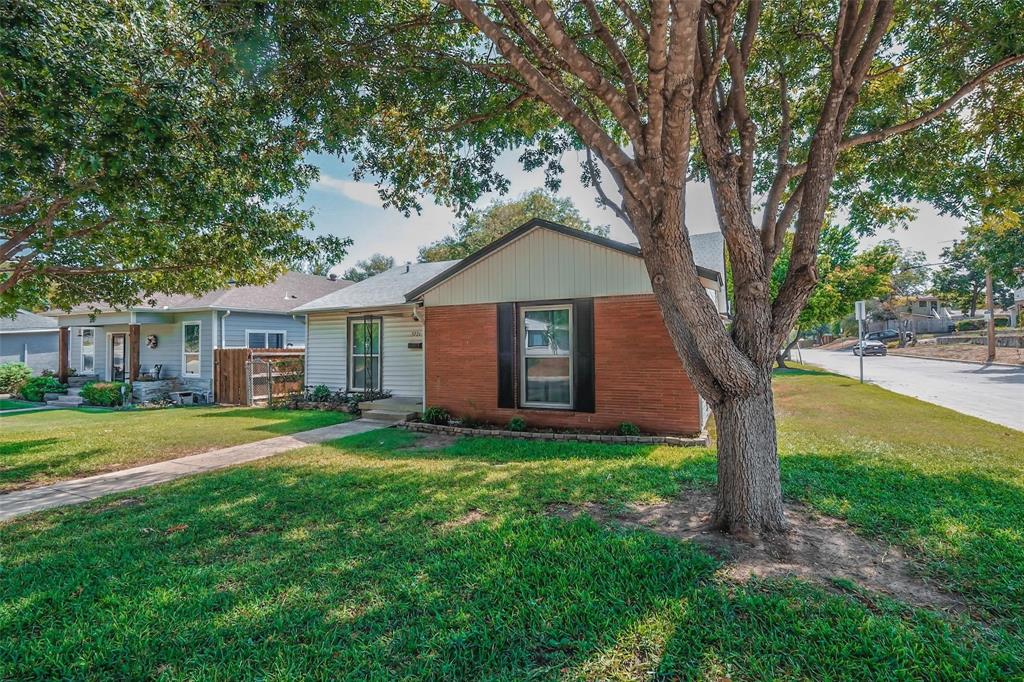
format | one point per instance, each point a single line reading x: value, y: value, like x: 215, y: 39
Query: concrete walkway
x: 81, y: 490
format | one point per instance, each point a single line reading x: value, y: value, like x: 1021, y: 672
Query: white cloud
x: 363, y: 192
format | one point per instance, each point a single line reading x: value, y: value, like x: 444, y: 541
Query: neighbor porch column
x: 63, y: 350
x: 134, y: 337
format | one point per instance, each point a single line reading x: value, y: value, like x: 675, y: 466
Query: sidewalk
x: 81, y: 490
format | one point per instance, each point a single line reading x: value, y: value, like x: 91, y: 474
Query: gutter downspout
x: 223, y: 329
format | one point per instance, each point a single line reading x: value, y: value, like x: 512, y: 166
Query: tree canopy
x: 141, y: 151
x: 996, y: 243
x: 482, y: 226
x: 789, y: 110
x: 375, y: 264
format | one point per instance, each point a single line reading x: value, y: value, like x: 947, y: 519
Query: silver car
x: 870, y: 348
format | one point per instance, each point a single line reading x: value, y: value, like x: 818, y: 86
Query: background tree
x: 785, y: 108
x: 369, y: 267
x: 845, y: 278
x: 997, y: 242
x: 139, y: 153
x: 482, y: 226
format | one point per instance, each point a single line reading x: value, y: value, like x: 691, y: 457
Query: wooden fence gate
x: 247, y: 376
x: 230, y: 382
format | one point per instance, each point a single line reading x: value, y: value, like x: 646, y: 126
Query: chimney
x: 333, y: 277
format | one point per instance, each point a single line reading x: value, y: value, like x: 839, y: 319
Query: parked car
x: 871, y: 347
x: 887, y: 335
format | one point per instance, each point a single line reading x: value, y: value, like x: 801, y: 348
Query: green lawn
x: 350, y: 561
x: 14, y: 404
x: 50, y: 445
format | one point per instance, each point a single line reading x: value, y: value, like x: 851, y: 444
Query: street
x: 994, y: 392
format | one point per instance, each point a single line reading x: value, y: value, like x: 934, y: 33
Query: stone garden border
x: 700, y: 441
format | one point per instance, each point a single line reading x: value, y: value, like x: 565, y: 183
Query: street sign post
x: 860, y: 308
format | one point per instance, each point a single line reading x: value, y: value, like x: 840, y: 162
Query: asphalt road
x: 991, y: 392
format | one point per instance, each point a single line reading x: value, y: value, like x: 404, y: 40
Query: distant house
x: 1017, y: 309
x: 920, y: 314
x: 548, y: 323
x: 31, y: 339
x: 177, y: 334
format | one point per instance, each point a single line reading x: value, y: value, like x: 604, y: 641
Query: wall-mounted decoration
x: 151, y: 341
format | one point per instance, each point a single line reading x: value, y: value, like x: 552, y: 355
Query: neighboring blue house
x: 177, y: 334
x: 31, y: 339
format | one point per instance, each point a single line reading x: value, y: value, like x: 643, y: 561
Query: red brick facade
x: 638, y: 375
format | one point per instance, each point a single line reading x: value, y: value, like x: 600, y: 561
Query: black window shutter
x: 506, y: 355
x: 583, y: 355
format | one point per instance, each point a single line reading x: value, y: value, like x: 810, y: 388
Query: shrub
x: 105, y: 393
x: 471, y: 422
x: 629, y: 429
x: 36, y: 388
x: 436, y: 415
x: 320, y: 394
x: 13, y: 376
x: 1002, y: 322
x: 970, y: 325
x: 516, y: 424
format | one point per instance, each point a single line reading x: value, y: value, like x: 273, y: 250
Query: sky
x: 347, y: 208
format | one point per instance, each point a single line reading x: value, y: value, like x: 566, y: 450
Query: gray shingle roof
x: 285, y: 294
x: 387, y: 288
x: 24, y: 321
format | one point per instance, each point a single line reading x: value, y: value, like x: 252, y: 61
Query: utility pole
x: 860, y: 309
x: 991, y: 316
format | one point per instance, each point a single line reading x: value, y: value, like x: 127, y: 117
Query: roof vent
x: 408, y: 264
x: 333, y: 277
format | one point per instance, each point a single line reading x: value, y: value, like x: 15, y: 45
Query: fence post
x: 270, y: 382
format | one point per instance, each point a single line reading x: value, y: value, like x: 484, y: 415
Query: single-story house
x: 178, y: 333
x: 552, y: 324
x: 31, y: 339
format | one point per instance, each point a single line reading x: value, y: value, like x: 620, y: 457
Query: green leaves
x: 150, y: 159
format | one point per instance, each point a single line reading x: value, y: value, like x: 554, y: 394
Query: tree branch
x: 616, y: 53
x: 589, y: 130
x: 585, y: 69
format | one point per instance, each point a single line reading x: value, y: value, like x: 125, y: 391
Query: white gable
x: 544, y: 264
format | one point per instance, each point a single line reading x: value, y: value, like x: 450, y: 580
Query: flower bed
x: 700, y: 441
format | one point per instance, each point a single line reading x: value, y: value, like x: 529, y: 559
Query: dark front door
x: 118, y: 356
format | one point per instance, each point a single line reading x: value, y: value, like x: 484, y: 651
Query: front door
x: 118, y: 356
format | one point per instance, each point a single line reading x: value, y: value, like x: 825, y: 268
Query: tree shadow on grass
x: 348, y: 570
x: 965, y: 528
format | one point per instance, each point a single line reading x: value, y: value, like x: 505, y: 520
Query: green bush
x: 970, y: 325
x: 436, y: 415
x: 13, y: 376
x: 36, y: 388
x: 320, y: 394
x: 629, y: 429
x: 1002, y: 322
x: 105, y: 393
x: 516, y: 424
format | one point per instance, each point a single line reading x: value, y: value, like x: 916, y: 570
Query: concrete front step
x: 67, y: 401
x: 388, y: 415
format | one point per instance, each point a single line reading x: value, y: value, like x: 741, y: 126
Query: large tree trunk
x: 749, y: 491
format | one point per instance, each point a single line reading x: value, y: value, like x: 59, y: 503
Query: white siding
x: 547, y: 265
x: 327, y: 356
x: 544, y: 265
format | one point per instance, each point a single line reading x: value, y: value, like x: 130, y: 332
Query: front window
x: 547, y: 356
x: 88, y: 364
x: 265, y: 339
x: 364, y: 355
x: 191, y: 359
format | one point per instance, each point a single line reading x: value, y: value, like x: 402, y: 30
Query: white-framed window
x: 364, y: 354
x: 261, y: 338
x: 191, y: 348
x: 88, y: 360
x: 546, y: 365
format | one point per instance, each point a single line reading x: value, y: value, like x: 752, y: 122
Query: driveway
x: 992, y: 392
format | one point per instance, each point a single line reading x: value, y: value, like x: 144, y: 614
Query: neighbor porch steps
x: 69, y: 399
x: 391, y: 409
